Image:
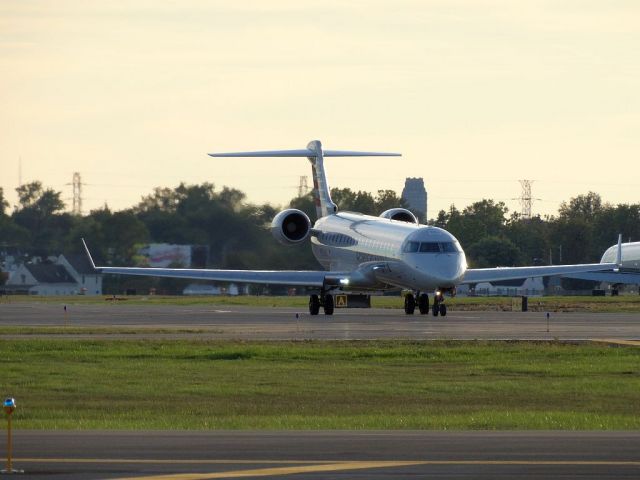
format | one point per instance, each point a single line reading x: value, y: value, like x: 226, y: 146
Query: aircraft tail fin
x: 86, y: 249
x: 315, y: 154
x: 619, y: 251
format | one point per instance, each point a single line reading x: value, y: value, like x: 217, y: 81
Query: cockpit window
x: 448, y: 247
x: 411, y: 247
x: 429, y: 247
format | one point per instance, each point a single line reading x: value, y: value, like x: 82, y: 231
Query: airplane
x: 628, y: 272
x: 363, y: 253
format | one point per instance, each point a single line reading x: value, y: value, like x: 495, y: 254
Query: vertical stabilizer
x: 321, y: 193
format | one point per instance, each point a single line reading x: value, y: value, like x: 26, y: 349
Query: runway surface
x: 327, y: 455
x: 233, y: 322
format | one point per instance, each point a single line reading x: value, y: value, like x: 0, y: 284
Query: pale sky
x: 475, y: 95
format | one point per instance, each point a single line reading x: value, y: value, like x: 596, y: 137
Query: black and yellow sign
x: 341, y: 301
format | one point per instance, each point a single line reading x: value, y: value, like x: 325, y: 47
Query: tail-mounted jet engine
x: 291, y: 226
x: 400, y: 214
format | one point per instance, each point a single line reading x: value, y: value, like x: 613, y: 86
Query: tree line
x: 237, y: 236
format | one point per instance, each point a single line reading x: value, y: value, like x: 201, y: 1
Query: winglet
x: 86, y: 249
x: 619, y: 252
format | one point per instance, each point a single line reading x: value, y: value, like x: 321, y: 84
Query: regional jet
x: 628, y: 272
x: 363, y: 253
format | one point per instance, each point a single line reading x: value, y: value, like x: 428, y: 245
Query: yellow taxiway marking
x: 265, y: 472
x: 163, y: 461
x: 292, y: 467
x: 616, y: 341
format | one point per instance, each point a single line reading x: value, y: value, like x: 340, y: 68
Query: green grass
x: 623, y: 303
x: 132, y: 384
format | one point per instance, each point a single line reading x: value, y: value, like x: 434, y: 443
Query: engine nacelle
x: 400, y: 214
x: 291, y: 226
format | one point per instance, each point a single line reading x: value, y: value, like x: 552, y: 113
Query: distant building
x: 41, y: 279
x: 66, y: 275
x: 79, y: 267
x: 207, y: 289
x: 165, y: 255
x: 508, y: 288
x: 415, y: 195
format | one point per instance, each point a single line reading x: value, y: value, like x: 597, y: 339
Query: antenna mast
x: 526, y: 200
x: 77, y: 194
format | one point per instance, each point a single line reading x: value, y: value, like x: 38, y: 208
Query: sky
x: 475, y: 94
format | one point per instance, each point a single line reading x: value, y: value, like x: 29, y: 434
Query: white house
x: 42, y: 279
x: 67, y: 275
x: 79, y: 267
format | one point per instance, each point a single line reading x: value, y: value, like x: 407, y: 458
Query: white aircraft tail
x: 315, y: 154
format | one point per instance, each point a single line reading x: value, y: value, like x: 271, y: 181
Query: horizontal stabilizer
x: 305, y: 153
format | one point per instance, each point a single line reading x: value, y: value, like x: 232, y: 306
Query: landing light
x: 438, y: 292
x: 344, y: 281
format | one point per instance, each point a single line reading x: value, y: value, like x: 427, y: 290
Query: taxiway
x: 328, y: 455
x: 251, y: 323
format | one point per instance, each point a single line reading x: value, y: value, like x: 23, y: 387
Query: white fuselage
x: 630, y: 255
x: 398, y: 254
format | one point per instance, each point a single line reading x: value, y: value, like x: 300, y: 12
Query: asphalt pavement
x: 252, y: 323
x: 327, y: 455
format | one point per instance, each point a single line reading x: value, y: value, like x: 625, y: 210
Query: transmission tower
x: 303, y: 186
x: 77, y: 194
x: 526, y: 200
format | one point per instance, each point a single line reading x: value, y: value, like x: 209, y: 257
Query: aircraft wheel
x: 436, y: 307
x: 423, y: 303
x: 314, y: 304
x: 328, y: 304
x: 443, y: 310
x: 409, y: 304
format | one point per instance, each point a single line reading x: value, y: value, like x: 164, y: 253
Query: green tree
x: 307, y: 204
x: 40, y: 213
x: 3, y: 203
x: 386, y: 199
x: 531, y: 236
x: 494, y: 251
x: 582, y: 206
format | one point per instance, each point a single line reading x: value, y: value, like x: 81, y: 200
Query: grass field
x: 623, y: 303
x: 132, y: 384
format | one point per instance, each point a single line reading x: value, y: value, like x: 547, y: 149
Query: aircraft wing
x: 272, y: 277
x: 309, y: 278
x: 477, y: 275
x: 625, y: 277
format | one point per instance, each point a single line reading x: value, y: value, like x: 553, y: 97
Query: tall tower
x: 415, y: 195
x: 526, y: 200
x: 77, y: 194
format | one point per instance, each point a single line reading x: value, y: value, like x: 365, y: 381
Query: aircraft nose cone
x: 449, y: 272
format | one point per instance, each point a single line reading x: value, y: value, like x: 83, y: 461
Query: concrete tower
x: 415, y: 195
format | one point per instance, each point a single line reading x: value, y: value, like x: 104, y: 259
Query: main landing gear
x: 438, y: 308
x: 315, y: 303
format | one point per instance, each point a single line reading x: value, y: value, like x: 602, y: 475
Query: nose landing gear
x: 439, y: 307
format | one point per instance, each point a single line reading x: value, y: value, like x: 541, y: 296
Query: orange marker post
x: 9, y: 407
